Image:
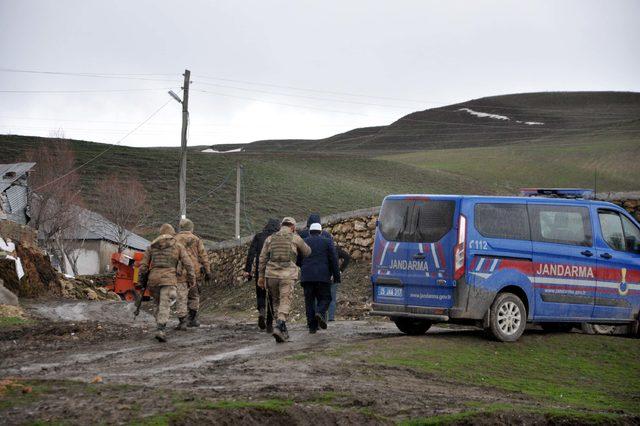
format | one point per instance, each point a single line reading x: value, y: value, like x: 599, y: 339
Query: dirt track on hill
x: 224, y: 359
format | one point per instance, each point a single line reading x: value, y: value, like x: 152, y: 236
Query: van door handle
x: 419, y: 256
x: 587, y: 253
x: 606, y: 256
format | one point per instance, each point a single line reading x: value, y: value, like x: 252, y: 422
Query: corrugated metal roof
x: 94, y: 226
x: 9, y: 173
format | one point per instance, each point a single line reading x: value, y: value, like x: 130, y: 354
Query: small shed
x: 14, y: 192
x: 94, y: 240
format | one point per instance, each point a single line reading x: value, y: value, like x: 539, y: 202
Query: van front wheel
x: 508, y: 317
x: 412, y: 326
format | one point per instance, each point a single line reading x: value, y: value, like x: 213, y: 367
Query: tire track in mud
x: 231, y: 359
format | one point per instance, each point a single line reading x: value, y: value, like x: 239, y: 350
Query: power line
x: 302, y: 96
x: 417, y: 101
x: 313, y: 90
x: 91, y: 75
x: 106, y: 150
x: 278, y: 103
x: 82, y: 92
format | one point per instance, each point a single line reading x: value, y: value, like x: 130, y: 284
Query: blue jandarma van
x: 503, y: 262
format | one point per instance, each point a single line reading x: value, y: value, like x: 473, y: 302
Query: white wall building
x: 94, y: 241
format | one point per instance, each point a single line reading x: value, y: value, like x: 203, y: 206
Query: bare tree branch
x: 124, y: 203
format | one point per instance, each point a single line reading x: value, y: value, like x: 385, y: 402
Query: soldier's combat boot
x: 322, y: 320
x: 182, y: 324
x: 284, y: 329
x: 261, y: 322
x: 193, y: 318
x: 278, y: 332
x: 160, y: 335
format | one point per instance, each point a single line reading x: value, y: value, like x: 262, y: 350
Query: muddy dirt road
x: 223, y: 360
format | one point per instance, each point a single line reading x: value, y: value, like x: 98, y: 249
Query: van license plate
x: 384, y: 291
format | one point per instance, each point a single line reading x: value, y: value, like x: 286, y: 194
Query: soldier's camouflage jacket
x: 162, y: 261
x: 279, y: 254
x: 197, y: 254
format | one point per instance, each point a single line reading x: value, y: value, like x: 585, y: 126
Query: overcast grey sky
x: 294, y: 69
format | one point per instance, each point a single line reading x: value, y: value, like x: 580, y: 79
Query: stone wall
x: 354, y: 231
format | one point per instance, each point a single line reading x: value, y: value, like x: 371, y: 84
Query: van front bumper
x: 387, y: 310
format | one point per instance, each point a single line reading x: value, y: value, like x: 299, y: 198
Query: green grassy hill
x: 443, y: 150
x: 274, y: 185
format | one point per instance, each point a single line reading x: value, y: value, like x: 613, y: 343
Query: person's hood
x: 313, y: 218
x: 272, y: 226
x: 163, y: 241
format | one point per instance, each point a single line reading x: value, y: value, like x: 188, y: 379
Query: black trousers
x: 261, y: 299
x: 317, y: 297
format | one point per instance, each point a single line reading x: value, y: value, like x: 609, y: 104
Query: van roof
x: 489, y: 198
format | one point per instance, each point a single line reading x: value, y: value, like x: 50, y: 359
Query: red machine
x: 125, y: 281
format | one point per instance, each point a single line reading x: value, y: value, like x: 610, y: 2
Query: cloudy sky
x: 292, y: 69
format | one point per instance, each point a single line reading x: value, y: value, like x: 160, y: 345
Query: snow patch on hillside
x: 531, y: 123
x: 484, y: 114
x: 499, y: 117
x: 215, y: 151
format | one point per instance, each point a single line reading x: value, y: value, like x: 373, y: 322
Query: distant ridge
x: 490, y: 121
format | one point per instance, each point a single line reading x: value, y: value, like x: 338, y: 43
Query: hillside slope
x: 444, y: 150
x: 274, y: 184
x: 492, y: 121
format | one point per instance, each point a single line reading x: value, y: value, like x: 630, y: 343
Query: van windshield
x: 425, y: 221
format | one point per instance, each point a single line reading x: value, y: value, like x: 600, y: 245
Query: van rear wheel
x: 508, y: 317
x: 412, y: 326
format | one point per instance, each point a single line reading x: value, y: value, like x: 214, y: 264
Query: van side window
x: 631, y: 235
x: 618, y: 231
x: 502, y: 221
x: 560, y: 224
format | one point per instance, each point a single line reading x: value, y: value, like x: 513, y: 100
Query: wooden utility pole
x: 183, y: 145
x: 238, y: 179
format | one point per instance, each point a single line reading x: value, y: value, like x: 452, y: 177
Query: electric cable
x: 106, y: 150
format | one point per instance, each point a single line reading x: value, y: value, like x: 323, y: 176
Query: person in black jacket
x: 265, y: 318
x: 318, y: 269
x: 343, y: 259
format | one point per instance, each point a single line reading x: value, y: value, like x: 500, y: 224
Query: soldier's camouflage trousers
x: 281, y: 291
x: 188, y: 298
x: 163, y: 297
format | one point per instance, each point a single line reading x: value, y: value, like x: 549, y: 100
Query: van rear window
x: 425, y: 221
x: 434, y: 219
x: 394, y: 217
x: 502, y: 221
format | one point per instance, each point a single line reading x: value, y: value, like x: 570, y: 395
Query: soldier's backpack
x: 281, y: 251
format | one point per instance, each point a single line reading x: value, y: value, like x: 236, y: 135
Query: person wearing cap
x: 344, y: 258
x: 188, y: 301
x: 163, y: 260
x: 278, y: 271
x: 318, y: 269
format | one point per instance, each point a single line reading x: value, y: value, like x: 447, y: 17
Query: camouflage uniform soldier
x: 159, y: 267
x: 279, y: 272
x: 189, y: 296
